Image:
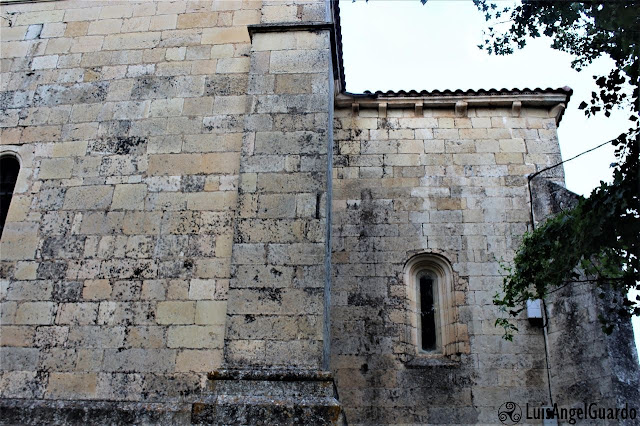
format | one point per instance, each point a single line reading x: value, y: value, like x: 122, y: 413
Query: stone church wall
x: 442, y: 184
x: 128, y: 120
x: 181, y: 165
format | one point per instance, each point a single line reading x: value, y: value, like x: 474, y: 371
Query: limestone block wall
x: 127, y: 118
x: 449, y: 185
x: 276, y: 298
x: 585, y: 363
x: 170, y: 215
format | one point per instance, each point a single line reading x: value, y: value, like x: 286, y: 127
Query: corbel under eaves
x: 461, y: 108
x: 516, y: 108
x: 556, y: 112
x: 382, y: 109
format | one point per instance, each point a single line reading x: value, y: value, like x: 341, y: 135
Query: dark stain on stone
x: 318, y: 198
x: 384, y: 124
x: 172, y: 269
x: 79, y: 93
x: 192, y: 183
x: 119, y: 145
x: 340, y: 160
x: 273, y: 294
x: 225, y: 85
x: 63, y: 246
x: 66, y: 291
x: 137, y: 272
x: 114, y: 128
x: 275, y: 272
x: 6, y: 269
x: 358, y: 299
x: 249, y: 318
x: 153, y: 87
x: 51, y: 270
x: 15, y: 99
x: 231, y: 123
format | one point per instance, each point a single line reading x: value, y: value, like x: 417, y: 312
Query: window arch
x: 9, y: 169
x: 433, y: 319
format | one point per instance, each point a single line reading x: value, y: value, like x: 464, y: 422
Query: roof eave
x: 556, y: 99
x: 553, y: 99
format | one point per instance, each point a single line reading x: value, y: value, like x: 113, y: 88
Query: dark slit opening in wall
x: 427, y: 314
x: 9, y: 168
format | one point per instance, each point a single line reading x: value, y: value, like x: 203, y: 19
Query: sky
x: 404, y: 45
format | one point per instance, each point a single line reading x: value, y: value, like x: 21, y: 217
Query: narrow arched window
x: 429, y: 311
x: 434, y: 326
x: 9, y: 168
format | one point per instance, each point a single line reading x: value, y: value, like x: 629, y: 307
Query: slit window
x: 9, y: 168
x: 433, y: 325
x: 430, y: 339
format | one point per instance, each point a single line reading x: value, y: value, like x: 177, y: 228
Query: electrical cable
x: 531, y: 176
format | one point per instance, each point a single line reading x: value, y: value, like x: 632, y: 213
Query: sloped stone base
x: 60, y: 412
x: 269, y: 397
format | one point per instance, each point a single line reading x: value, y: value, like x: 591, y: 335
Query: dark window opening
x: 428, y: 320
x: 9, y: 168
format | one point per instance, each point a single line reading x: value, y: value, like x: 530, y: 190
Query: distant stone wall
x: 127, y: 118
x: 450, y: 185
x: 586, y: 365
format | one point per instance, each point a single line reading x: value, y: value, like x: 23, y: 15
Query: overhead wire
x: 531, y: 176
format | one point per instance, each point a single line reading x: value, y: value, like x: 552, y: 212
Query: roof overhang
x: 554, y: 99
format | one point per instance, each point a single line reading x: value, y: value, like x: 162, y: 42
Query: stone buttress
x: 276, y: 359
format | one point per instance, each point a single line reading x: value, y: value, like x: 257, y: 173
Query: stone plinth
x: 269, y: 397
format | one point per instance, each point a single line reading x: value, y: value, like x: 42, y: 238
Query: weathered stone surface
x: 49, y: 95
x: 129, y: 197
x: 140, y: 360
x: 572, y: 371
x: 36, y: 313
x: 171, y: 218
x: 78, y: 412
x: 269, y: 396
x: 97, y: 197
x: 470, y: 193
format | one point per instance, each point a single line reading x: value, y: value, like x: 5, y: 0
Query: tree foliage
x: 601, y: 234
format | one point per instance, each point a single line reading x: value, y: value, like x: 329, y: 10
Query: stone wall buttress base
x: 62, y: 412
x: 269, y: 397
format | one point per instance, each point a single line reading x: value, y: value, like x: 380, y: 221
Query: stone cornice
x: 554, y: 100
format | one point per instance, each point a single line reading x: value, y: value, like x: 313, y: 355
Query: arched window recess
x: 433, y: 321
